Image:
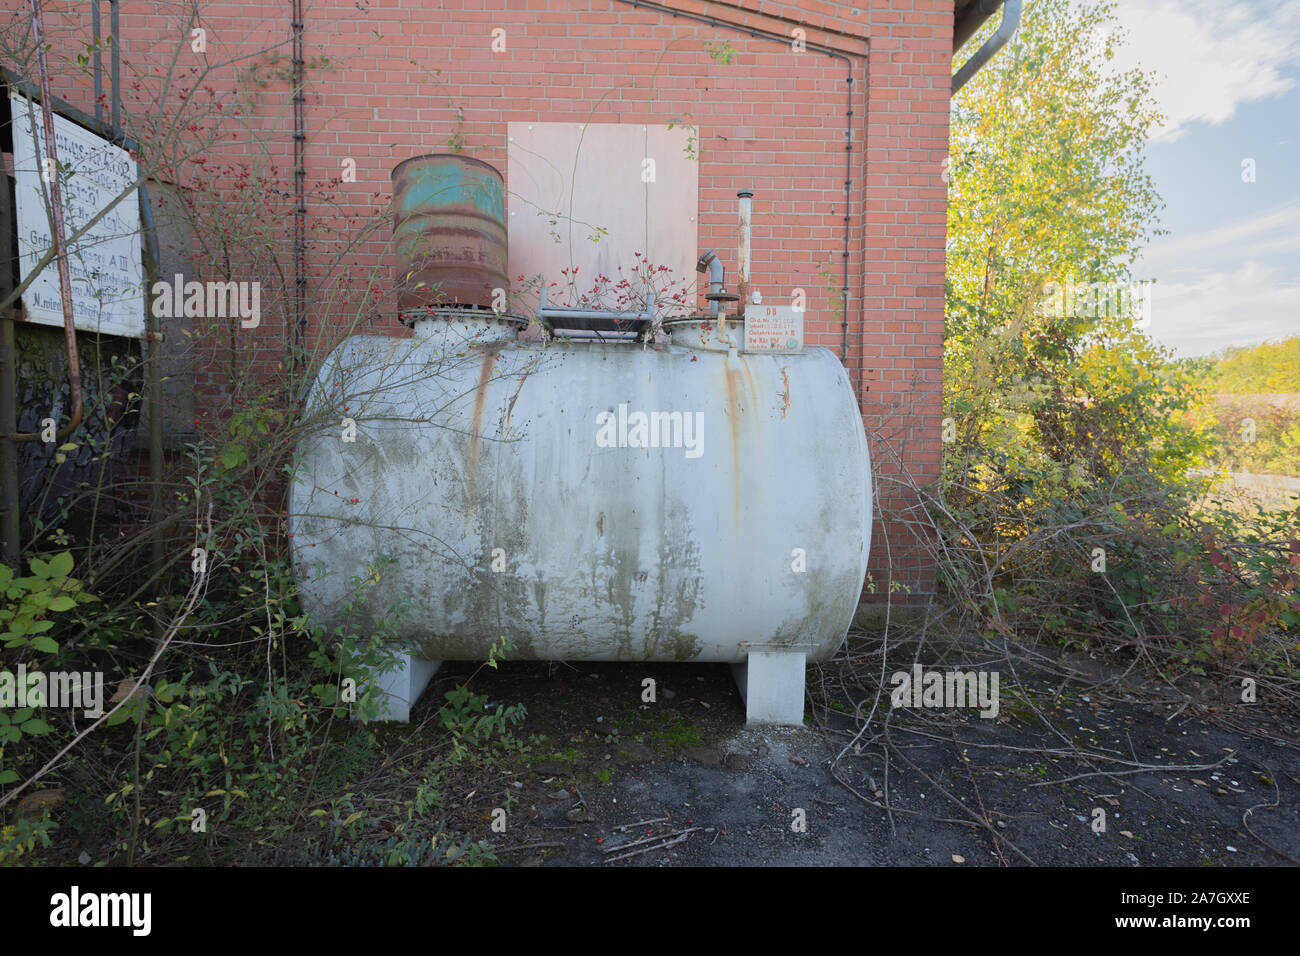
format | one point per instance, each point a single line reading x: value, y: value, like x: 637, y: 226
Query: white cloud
x: 1209, y: 56
x: 1231, y: 282
x: 1248, y: 305
x: 1271, y: 233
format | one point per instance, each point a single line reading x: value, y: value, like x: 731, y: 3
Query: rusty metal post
x: 10, y: 529
x: 9, y: 447
x: 153, y: 376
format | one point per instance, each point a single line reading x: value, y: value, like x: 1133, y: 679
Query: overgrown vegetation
x: 228, y: 725
x: 1077, y: 453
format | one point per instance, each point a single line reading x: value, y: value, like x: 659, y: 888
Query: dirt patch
x: 611, y: 779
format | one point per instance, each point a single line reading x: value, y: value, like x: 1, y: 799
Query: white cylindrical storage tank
x: 589, y: 501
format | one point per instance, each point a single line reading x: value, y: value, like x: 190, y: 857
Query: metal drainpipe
x: 153, y: 268
x: 746, y: 197
x: 98, y: 62
x: 10, y: 530
x: 1010, y: 22
x: 300, y: 208
x: 10, y: 521
x: 154, y: 335
x: 117, y: 69
x: 970, y: 20
x: 848, y: 133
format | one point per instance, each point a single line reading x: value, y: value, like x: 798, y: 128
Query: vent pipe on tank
x: 743, y: 242
x: 717, y: 276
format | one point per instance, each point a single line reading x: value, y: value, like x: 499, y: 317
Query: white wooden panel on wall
x: 566, y: 179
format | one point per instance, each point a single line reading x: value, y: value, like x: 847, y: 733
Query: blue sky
x: 1228, y: 272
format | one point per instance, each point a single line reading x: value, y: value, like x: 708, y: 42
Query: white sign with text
x: 773, y: 328
x: 105, y: 263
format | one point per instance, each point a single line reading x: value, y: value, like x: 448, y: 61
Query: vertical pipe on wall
x: 98, y: 62
x: 117, y: 72
x: 848, y: 199
x: 300, y: 210
x: 743, y: 243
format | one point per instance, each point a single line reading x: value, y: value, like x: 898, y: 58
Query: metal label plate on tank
x: 773, y: 328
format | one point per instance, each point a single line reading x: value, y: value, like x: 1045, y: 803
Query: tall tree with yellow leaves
x: 1048, y: 375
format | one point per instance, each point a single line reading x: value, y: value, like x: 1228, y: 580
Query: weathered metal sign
x: 107, y: 273
x: 773, y: 328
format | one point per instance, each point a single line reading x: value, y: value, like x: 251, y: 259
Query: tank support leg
x: 771, y: 685
x: 404, y: 686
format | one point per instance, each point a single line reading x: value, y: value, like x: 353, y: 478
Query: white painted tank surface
x: 591, y: 501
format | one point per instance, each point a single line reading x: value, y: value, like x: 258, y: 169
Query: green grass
x: 679, y: 736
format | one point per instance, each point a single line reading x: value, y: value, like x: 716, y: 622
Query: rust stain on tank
x: 749, y: 378
x: 733, y: 416
x: 785, y: 396
x: 480, y: 397
x: 510, y: 409
x: 756, y: 434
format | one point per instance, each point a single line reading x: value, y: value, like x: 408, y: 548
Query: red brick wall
x: 772, y: 120
x: 901, y: 318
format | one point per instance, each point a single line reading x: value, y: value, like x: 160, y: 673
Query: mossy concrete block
x: 402, y: 687
x: 772, y: 684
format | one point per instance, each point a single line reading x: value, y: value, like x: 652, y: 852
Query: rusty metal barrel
x: 449, y: 231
